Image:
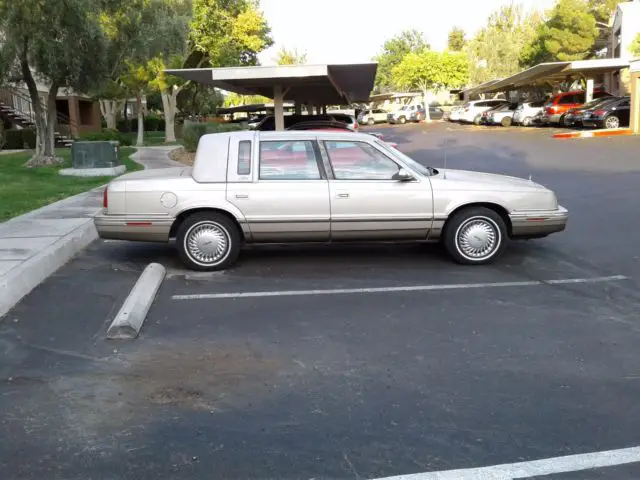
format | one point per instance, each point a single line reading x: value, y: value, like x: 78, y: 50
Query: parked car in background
x: 371, y: 117
x: 559, y: 104
x: 273, y: 187
x: 484, y: 117
x: 269, y: 122
x: 614, y: 114
x: 502, y: 115
x: 472, y: 111
x: 537, y: 121
x: 573, y: 117
x: 526, y: 112
x: 333, y: 126
x: 454, y: 114
x: 407, y: 113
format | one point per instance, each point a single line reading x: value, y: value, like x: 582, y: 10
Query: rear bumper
x: 539, y: 223
x: 137, y: 228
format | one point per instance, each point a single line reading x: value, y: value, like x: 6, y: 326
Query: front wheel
x: 526, y: 122
x: 208, y: 241
x: 475, y: 236
x: 371, y: 121
x: 506, y: 121
x: 477, y: 120
x: 612, y: 122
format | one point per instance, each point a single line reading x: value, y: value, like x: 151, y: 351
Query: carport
x: 317, y: 85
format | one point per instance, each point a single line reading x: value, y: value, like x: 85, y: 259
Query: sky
x: 351, y: 31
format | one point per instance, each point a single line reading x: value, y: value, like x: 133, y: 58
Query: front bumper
x: 127, y: 227
x: 592, y: 122
x: 538, y: 223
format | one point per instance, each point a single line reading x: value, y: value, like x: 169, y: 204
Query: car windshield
x: 418, y: 167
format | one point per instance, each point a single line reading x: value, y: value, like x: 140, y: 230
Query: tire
x: 402, y: 120
x: 371, y: 121
x: 561, y: 122
x: 526, y: 122
x: 464, y: 236
x: 477, y: 120
x: 506, y: 121
x: 611, y: 122
x: 211, y: 227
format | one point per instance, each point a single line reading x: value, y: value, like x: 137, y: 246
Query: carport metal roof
x: 319, y: 84
x: 549, y: 72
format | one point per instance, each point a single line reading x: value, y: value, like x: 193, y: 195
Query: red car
x: 555, y: 108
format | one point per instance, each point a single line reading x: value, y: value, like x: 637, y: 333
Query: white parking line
x: 408, y: 288
x: 548, y: 466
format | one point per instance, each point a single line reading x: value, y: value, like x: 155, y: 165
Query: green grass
x: 23, y: 189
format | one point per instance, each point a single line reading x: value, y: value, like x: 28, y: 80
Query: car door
x: 367, y: 203
x: 435, y: 113
x: 622, y: 111
x: 380, y: 115
x: 286, y: 195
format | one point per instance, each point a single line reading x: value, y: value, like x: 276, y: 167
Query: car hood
x: 470, y: 180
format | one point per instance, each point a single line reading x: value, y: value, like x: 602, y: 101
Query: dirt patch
x: 182, y: 156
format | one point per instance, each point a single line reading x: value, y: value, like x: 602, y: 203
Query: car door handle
x: 343, y: 195
x: 242, y: 195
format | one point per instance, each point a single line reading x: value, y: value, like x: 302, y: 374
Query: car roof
x: 321, y: 134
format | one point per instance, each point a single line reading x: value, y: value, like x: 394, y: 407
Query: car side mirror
x: 403, y: 176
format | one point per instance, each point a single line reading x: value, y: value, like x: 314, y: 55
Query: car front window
x: 415, y: 166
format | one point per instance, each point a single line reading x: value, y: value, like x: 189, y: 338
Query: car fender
x: 215, y: 204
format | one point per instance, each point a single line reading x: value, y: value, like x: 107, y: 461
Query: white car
x: 526, y: 112
x: 371, y: 117
x: 472, y: 111
x: 454, y: 113
x: 319, y: 186
x: 502, y: 115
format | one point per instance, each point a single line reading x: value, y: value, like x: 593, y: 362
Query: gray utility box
x: 94, y: 154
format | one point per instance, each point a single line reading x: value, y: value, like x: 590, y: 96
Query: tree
x: 456, y: 40
x: 198, y: 99
x: 431, y: 71
x: 290, y: 57
x: 60, y: 43
x: 494, y: 52
x: 603, y: 10
x: 568, y: 34
x: 221, y: 33
x: 393, y: 51
x: 634, y: 48
x: 235, y: 100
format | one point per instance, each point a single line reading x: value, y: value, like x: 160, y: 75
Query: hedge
x: 17, y: 139
x: 192, y: 131
x: 107, y: 135
x: 152, y: 123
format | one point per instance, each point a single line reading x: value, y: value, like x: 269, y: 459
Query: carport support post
x: 589, y: 96
x: 298, y: 108
x: 634, y: 83
x: 278, y: 106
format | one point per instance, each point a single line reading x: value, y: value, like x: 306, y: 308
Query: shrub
x: 124, y: 125
x: 107, y: 135
x: 13, y: 139
x: 192, y: 131
x: 29, y: 137
x: 161, y: 124
x: 151, y: 123
x: 1, y: 135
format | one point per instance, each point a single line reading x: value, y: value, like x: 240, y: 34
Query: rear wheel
x: 612, y: 122
x: 477, y: 119
x: 506, y: 121
x: 475, y: 236
x: 402, y: 120
x: 208, y: 241
x: 371, y: 121
x: 526, y: 122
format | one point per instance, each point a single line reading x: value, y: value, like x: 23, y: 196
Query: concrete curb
x: 595, y: 133
x: 129, y: 320
x: 17, y: 283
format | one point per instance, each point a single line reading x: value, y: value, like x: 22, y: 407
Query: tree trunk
x: 140, y: 139
x: 425, y: 101
x: 169, y: 105
x: 44, y: 153
x: 109, y: 110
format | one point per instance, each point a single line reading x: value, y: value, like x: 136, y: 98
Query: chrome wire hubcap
x: 207, y: 243
x: 477, y: 238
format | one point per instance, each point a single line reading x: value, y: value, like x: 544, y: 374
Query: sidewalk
x: 33, y: 246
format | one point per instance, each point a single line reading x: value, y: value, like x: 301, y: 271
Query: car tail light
x: 105, y: 199
x: 356, y: 126
x: 552, y: 109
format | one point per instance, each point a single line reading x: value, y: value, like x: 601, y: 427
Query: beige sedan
x: 300, y: 186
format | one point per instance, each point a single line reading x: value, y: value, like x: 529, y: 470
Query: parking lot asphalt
x: 347, y: 361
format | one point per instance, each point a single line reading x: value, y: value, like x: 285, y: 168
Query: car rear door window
x: 359, y: 161
x: 288, y: 160
x: 244, y: 157
x: 567, y: 100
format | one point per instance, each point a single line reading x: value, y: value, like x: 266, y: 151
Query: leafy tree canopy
x: 392, y: 53
x: 568, y: 34
x: 603, y: 10
x: 456, y: 40
x: 429, y: 70
x: 634, y: 48
x: 290, y: 57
